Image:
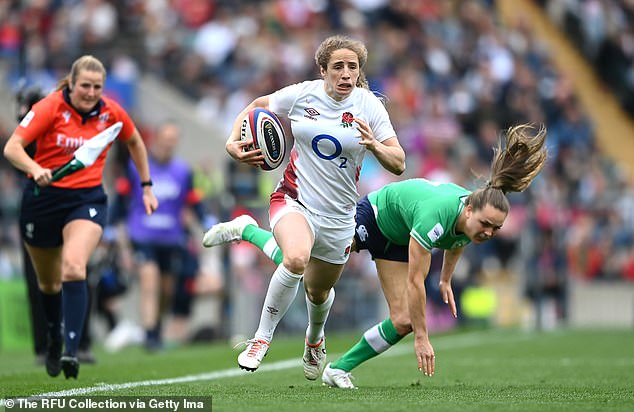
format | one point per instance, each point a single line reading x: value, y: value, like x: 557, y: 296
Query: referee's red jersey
x: 59, y: 130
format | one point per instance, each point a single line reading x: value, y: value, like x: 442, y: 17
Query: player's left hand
x: 447, y: 296
x: 149, y: 201
x: 367, y: 137
x: 425, y: 355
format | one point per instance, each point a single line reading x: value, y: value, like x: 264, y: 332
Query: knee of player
x: 315, y: 295
x: 296, y: 262
x: 402, y: 323
x: 72, y: 270
x: 50, y: 287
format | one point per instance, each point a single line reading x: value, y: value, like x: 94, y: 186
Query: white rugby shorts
x: 333, y: 236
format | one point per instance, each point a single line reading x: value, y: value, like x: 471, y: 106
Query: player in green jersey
x: 399, y: 225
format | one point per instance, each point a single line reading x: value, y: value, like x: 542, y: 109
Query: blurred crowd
x: 453, y: 78
x: 603, y: 31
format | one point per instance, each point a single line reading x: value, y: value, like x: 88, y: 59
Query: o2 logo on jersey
x: 335, y: 154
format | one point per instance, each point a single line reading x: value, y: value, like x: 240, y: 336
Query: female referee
x: 62, y: 222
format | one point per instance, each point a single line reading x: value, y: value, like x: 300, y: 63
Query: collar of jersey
x: 337, y: 104
x: 94, y: 112
x: 461, y: 206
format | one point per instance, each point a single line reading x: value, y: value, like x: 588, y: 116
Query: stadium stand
x: 453, y: 77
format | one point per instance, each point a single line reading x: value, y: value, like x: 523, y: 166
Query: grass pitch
x: 498, y: 370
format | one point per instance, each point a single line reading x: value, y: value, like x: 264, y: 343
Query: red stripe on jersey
x: 278, y: 202
x: 289, y: 183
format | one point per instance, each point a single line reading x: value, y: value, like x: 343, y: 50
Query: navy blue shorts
x: 170, y: 259
x: 183, y: 296
x: 368, y: 236
x: 179, y: 263
x: 43, y: 216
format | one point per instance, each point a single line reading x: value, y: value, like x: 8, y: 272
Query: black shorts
x: 183, y: 296
x: 368, y: 236
x: 176, y: 261
x: 170, y: 259
x: 43, y: 216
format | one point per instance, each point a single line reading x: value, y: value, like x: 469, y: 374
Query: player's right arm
x: 235, y: 145
x: 138, y: 154
x: 32, y: 126
x: 15, y: 153
x: 418, y: 267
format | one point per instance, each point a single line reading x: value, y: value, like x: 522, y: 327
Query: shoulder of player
x: 302, y: 87
x: 420, y: 194
x: 112, y: 105
x: 367, y: 100
x: 315, y: 83
x: 113, y: 112
x: 366, y: 94
x: 44, y: 111
x: 50, y: 102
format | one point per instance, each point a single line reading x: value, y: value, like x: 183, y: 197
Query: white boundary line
x: 441, y: 343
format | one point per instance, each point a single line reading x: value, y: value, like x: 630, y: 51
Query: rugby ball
x: 265, y: 130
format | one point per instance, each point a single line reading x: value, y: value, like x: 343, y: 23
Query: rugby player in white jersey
x: 334, y: 121
x: 399, y: 224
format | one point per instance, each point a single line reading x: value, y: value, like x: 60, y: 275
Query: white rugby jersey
x: 326, y: 158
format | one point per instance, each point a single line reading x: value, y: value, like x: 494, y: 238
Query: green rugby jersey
x: 422, y: 209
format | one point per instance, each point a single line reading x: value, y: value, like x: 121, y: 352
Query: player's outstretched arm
x: 138, y: 153
x: 419, y: 263
x: 448, y: 266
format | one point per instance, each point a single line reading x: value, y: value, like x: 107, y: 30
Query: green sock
x: 375, y: 341
x: 264, y: 240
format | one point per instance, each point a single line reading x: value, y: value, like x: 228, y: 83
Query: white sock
x: 281, y: 293
x: 317, y: 316
x: 271, y: 249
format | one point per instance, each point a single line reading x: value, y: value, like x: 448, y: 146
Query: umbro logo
x: 311, y: 113
x: 92, y: 212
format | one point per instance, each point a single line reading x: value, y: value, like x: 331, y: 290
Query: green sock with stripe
x: 374, y: 341
x: 264, y: 241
